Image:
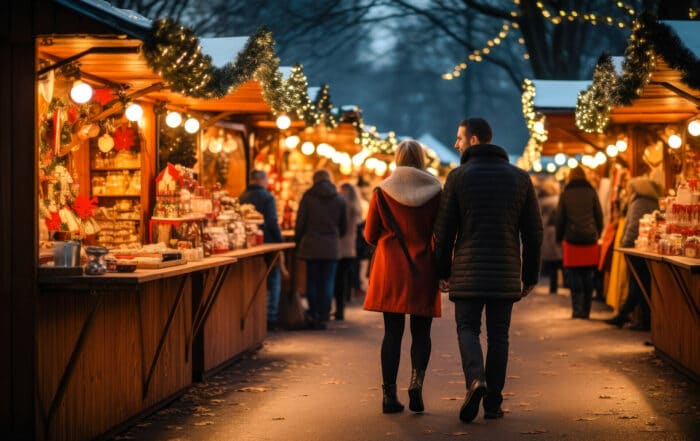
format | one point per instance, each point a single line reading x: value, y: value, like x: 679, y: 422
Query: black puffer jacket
x: 579, y: 216
x: 488, y: 207
x: 321, y: 221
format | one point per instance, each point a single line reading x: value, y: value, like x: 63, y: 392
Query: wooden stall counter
x: 116, y: 346
x: 674, y: 300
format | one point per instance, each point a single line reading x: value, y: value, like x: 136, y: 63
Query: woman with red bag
x: 579, y: 224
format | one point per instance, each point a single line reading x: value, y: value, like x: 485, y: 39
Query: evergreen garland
x: 299, y: 97
x: 178, y: 147
x: 649, y: 39
x: 324, y: 107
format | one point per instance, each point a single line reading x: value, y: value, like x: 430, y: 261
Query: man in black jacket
x: 256, y: 193
x: 488, y: 236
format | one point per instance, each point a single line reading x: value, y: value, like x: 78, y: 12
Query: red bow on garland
x: 103, y: 96
x: 53, y: 223
x: 84, y: 206
x: 123, y: 138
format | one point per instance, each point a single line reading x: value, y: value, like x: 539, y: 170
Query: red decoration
x: 84, y: 206
x: 73, y: 114
x: 53, y: 223
x: 124, y: 138
x: 103, y: 96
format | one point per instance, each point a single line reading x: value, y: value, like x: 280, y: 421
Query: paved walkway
x: 567, y: 380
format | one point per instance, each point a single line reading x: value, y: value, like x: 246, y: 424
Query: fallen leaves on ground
x: 451, y: 398
x: 586, y: 419
x: 277, y: 418
x: 534, y: 432
x: 508, y: 394
x: 513, y: 377
x: 605, y: 397
x: 428, y: 431
x: 628, y: 417
x: 251, y: 389
x: 524, y: 404
x: 549, y: 373
x: 458, y: 434
x: 173, y: 427
x: 456, y: 382
x: 333, y: 382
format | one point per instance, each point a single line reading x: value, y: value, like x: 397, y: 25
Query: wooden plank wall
x: 106, y: 387
x: 674, y: 330
x: 223, y: 338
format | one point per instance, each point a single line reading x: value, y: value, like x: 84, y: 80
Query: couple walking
x: 479, y: 239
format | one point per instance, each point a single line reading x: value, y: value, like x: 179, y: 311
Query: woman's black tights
x: 391, y: 345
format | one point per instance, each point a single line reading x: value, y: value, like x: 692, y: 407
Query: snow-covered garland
x: 648, y: 40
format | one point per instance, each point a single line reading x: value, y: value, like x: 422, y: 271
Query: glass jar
x: 691, y: 248
x: 675, y: 244
x: 664, y: 245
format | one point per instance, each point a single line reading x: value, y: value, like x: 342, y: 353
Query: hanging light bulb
x: 694, y: 127
x: 600, y: 158
x: 588, y: 161
x: 572, y: 163
x: 611, y: 150
x: 191, y: 125
x: 133, y: 112
x: 551, y: 168
x: 81, y: 92
x: 216, y: 146
x: 560, y: 158
x: 537, y: 167
x: 173, y: 119
x: 283, y: 122
x: 291, y: 141
x: 381, y: 168
x: 371, y: 163
x: 308, y: 148
x: 674, y: 141
x: 621, y: 145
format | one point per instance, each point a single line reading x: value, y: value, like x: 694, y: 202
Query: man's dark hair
x: 257, y: 175
x: 478, y: 127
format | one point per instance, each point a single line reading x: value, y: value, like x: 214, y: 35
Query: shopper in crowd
x: 403, y: 279
x: 488, y: 209
x: 579, y: 225
x: 256, y: 193
x: 348, y: 250
x: 644, y: 195
x: 551, y: 250
x: 321, y: 222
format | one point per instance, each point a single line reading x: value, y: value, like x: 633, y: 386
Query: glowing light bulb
x: 291, y: 141
x: 588, y: 161
x: 215, y: 146
x: 559, y: 158
x: 81, y: 92
x: 611, y: 150
x: 572, y: 163
x: 283, y: 122
x: 173, y: 119
x: 551, y: 168
x: 600, y: 158
x: 381, y: 168
x: 392, y: 166
x: 191, y: 125
x: 537, y: 167
x: 694, y: 127
x: 538, y: 127
x: 133, y: 112
x: 674, y: 141
x: 621, y: 145
x: 308, y: 148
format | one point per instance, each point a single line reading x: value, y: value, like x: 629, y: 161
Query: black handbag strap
x: 397, y: 231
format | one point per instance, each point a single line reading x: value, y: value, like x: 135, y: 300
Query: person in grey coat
x: 551, y: 250
x: 644, y: 198
x: 321, y: 222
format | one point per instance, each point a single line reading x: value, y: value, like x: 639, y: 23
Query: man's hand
x: 527, y: 290
x: 444, y: 285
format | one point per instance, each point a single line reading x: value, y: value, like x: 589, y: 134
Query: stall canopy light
x: 173, y: 119
x: 133, y: 112
x: 191, y: 125
x: 371, y: 163
x: 81, y: 92
x: 381, y: 168
x: 572, y: 163
x: 621, y: 145
x: 537, y: 167
x: 694, y: 127
x: 611, y: 150
x: 551, y: 168
x: 308, y: 148
x: 392, y: 166
x: 283, y: 122
x: 600, y: 158
x: 560, y: 158
x: 291, y: 141
x: 674, y: 141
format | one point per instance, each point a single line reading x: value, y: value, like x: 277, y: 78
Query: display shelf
x: 117, y: 195
x: 108, y: 169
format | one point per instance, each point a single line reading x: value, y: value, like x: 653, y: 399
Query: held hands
x: 526, y: 290
x: 444, y: 285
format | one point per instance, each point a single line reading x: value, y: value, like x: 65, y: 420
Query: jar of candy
x: 675, y: 244
x: 691, y: 248
x: 664, y: 245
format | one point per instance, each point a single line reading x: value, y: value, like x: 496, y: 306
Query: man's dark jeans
x: 468, y: 318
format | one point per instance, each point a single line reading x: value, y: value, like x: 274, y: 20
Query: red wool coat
x: 392, y: 287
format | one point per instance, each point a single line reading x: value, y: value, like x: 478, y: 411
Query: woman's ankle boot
x: 390, y: 403
x: 415, y: 391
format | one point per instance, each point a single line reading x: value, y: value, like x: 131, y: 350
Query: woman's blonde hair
x: 410, y: 153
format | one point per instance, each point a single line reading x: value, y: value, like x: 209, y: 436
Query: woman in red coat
x: 403, y: 210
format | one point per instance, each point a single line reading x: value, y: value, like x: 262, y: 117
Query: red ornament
x: 84, y: 206
x: 123, y: 138
x: 53, y: 223
x: 103, y: 96
x: 73, y: 114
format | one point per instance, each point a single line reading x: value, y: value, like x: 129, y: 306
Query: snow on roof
x: 688, y: 32
x: 557, y: 94
x: 446, y: 154
x: 223, y: 50
x: 313, y: 92
x: 100, y: 10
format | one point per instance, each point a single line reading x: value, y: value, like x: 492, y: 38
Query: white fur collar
x: 410, y: 186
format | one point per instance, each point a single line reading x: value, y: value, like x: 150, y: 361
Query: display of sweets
x: 173, y: 195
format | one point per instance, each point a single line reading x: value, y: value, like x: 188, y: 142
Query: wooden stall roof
x: 132, y: 70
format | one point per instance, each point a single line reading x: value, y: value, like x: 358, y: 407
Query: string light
x: 621, y: 145
x: 476, y: 55
x: 675, y: 141
x: 308, y: 148
x: 558, y: 17
x: 81, y: 92
x: 133, y: 112
x: 173, y: 119
x: 283, y: 122
x: 191, y: 125
x: 694, y: 127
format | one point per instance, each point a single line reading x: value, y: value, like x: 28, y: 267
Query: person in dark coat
x: 579, y: 222
x: 644, y: 198
x: 551, y: 250
x: 488, y: 209
x: 348, y: 250
x: 256, y: 193
x: 321, y: 222
x: 398, y: 286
